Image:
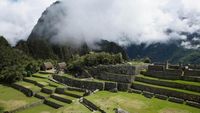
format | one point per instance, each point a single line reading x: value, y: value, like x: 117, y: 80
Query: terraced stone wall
x: 115, y: 77
x: 174, y: 67
x: 194, y: 67
x: 84, y: 84
x: 26, y: 91
x: 91, y: 85
x: 155, y: 68
x: 182, y: 95
x: 161, y: 74
x: 192, y: 73
x: 117, y: 73
x: 169, y: 84
x: 173, y: 72
x: 92, y: 105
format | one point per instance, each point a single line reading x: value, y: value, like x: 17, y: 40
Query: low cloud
x: 18, y: 17
x: 121, y: 21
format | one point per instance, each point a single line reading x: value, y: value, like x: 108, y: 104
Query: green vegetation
x: 29, y: 86
x: 44, y: 81
x: 40, y: 109
x: 75, y: 107
x: 77, y: 64
x: 163, y: 87
x: 11, y: 98
x: 1, y: 109
x: 136, y: 103
x: 93, y: 59
x: 15, y: 64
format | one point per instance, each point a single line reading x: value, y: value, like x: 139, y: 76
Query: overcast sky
x: 140, y: 20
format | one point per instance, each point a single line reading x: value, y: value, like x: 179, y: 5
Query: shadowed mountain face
x: 160, y: 52
x: 43, y: 41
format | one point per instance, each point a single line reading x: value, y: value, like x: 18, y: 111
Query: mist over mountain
x: 139, y: 28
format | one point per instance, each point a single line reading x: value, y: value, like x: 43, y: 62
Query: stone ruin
x: 124, y: 73
x: 173, y: 71
x: 106, y: 77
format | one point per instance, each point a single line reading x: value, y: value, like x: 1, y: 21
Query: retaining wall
x: 117, y: 73
x: 91, y: 85
x: 173, y: 72
x: 91, y: 105
x: 172, y: 93
x: 156, y: 68
x: 24, y: 90
x: 123, y: 86
x: 110, y: 85
x: 192, y: 73
x: 52, y: 104
x: 160, y: 74
x: 169, y: 84
x: 194, y: 67
x: 115, y: 77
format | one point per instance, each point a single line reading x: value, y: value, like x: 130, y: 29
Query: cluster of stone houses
x: 49, y: 66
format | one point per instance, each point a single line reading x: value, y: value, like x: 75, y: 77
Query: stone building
x: 47, y: 66
x: 61, y: 66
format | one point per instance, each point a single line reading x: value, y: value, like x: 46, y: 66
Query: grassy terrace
x: 44, y: 80
x: 95, y: 80
x: 11, y: 98
x: 65, y: 96
x: 29, y: 86
x: 40, y: 109
x: 163, y: 87
x: 136, y: 103
x: 57, y: 101
x: 50, y: 87
x: 41, y: 75
x: 75, y: 92
x: 75, y: 107
x: 175, y: 81
x: 43, y: 94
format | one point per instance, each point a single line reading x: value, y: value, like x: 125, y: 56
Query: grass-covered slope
x: 135, y: 103
x: 11, y: 98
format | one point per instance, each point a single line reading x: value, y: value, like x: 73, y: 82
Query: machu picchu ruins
x: 99, y: 56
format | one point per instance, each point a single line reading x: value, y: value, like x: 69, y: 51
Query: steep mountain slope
x: 160, y: 52
x: 43, y: 41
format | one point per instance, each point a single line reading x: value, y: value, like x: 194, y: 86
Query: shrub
x: 94, y: 59
x: 147, y: 60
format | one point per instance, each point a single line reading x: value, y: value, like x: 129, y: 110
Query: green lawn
x: 29, y: 86
x: 11, y: 98
x: 75, y: 107
x: 41, y: 75
x: 175, y: 81
x: 40, y: 109
x: 136, y: 103
x: 44, y: 80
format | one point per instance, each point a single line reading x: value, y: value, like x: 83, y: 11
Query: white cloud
x: 18, y: 17
x: 91, y: 20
